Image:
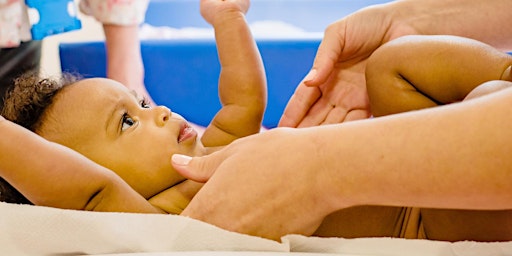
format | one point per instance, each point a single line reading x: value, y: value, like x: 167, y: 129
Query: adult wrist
x: 479, y: 20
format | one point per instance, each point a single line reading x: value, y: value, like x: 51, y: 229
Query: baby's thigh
x: 458, y: 225
x: 363, y: 221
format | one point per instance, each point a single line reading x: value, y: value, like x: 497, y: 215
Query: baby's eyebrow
x: 134, y: 93
x: 112, y: 118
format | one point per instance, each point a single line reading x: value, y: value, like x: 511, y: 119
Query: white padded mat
x: 37, y: 230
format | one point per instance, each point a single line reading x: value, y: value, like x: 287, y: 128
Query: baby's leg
x: 389, y: 89
x: 367, y: 221
x: 473, y: 225
x: 416, y: 72
x: 390, y: 93
x: 457, y: 225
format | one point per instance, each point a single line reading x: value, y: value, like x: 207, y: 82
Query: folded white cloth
x: 37, y: 230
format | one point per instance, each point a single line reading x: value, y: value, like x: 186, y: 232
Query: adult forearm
x: 124, y: 60
x: 455, y: 156
x: 481, y: 20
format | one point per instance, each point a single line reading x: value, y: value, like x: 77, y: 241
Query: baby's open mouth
x: 186, y: 132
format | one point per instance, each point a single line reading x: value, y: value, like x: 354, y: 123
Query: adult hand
x: 263, y: 198
x: 334, y: 90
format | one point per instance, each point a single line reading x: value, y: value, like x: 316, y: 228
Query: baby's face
x: 104, y: 121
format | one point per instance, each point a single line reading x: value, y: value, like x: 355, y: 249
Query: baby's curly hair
x: 31, y: 95
x: 25, y: 105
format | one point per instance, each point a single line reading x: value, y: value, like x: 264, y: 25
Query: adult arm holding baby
x: 48, y: 164
x: 454, y: 156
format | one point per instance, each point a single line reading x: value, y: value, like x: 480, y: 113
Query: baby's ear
x: 507, y: 74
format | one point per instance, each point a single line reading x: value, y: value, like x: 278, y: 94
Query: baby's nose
x: 163, y: 114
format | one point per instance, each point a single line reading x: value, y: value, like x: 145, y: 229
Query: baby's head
x: 103, y: 120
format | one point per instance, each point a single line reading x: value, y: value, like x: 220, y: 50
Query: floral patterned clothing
x: 15, y: 26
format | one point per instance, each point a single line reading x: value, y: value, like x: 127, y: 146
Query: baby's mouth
x: 186, y: 132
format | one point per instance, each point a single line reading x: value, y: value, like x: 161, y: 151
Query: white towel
x: 396, y: 247
x: 37, y: 230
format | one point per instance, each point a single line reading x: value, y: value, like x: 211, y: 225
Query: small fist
x: 211, y: 9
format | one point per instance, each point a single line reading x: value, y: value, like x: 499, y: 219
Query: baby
x: 112, y: 126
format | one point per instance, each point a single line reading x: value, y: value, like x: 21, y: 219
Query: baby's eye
x: 127, y: 122
x: 144, y: 103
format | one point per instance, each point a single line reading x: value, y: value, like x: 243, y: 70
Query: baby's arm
x: 242, y: 82
x: 416, y: 72
x: 50, y: 174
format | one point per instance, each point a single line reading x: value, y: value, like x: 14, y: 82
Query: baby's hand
x: 174, y: 199
x: 211, y: 9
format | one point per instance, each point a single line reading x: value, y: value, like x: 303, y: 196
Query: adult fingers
x: 198, y: 169
x: 299, y: 105
x: 336, y: 115
x: 357, y: 114
x: 340, y: 115
x: 317, y: 114
x: 327, y: 55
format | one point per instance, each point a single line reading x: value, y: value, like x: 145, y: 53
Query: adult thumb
x: 197, y: 169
